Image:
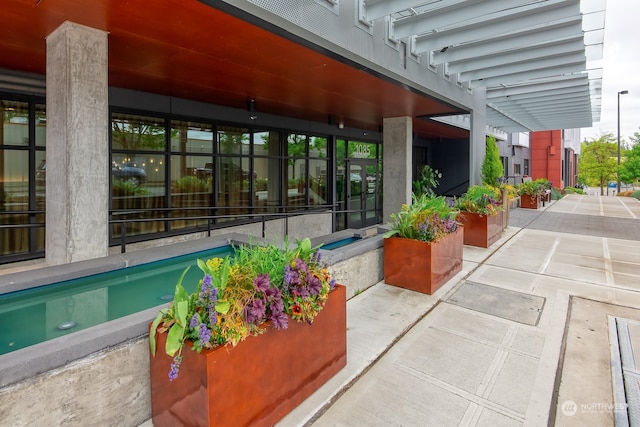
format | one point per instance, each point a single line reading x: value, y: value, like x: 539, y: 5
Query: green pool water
x: 39, y: 314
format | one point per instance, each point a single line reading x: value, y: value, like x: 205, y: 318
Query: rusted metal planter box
x: 527, y: 201
x: 481, y: 230
x: 422, y: 266
x: 257, y: 382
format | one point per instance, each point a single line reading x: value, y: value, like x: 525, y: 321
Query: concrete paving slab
x: 529, y: 341
x: 471, y: 324
x: 511, y: 305
x: 489, y: 418
x: 513, y: 385
x: 505, y: 278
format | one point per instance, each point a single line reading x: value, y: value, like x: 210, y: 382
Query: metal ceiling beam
x: 528, y: 75
x: 510, y: 21
x: 374, y: 9
x: 531, y: 54
x: 451, y: 15
x: 550, y: 83
x: 528, y: 54
x: 560, y: 30
x: 547, y: 65
x: 541, y: 95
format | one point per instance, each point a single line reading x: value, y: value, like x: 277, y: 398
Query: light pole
x: 622, y: 92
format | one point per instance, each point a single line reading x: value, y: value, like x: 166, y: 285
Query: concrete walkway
x: 522, y: 336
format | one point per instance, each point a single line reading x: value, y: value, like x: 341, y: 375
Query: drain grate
x: 511, y: 305
x: 624, y: 337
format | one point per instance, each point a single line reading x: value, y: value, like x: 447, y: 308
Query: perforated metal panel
x: 325, y: 24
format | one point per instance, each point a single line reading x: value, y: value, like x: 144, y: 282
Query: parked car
x: 127, y: 172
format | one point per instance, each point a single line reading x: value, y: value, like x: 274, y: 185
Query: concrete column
x: 397, y: 141
x: 77, y: 144
x: 478, y: 135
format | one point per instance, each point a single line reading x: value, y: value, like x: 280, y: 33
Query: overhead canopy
x: 538, y: 60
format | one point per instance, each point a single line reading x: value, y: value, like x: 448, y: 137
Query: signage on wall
x: 361, y: 151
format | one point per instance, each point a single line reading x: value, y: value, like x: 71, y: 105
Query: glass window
x: 267, y: 170
x: 233, y: 140
x: 191, y: 188
x: 41, y: 125
x: 231, y: 181
x: 189, y: 137
x: 318, y: 147
x: 191, y: 175
x: 15, y: 123
x: 14, y: 198
x: 341, y: 149
x: 296, y: 182
x: 516, y: 169
x: 296, y: 145
x: 138, y: 187
x: 137, y: 133
x: 341, y: 193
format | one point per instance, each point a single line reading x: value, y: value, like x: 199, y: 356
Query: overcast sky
x: 621, y: 71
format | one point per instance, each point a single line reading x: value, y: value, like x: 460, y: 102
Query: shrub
x: 556, y: 194
x: 124, y: 188
x: 480, y: 199
x: 492, y: 168
x: 190, y: 184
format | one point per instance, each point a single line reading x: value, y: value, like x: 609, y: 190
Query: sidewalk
x: 519, y: 337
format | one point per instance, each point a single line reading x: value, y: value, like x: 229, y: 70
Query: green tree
x: 492, y: 168
x: 599, y: 160
x: 630, y: 168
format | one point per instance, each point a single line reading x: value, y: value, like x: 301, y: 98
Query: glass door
x: 363, y: 191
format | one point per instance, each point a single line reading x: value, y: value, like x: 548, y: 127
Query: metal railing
x: 213, y: 221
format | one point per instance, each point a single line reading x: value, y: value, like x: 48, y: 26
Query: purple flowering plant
x: 427, y: 218
x: 481, y: 199
x: 238, y: 295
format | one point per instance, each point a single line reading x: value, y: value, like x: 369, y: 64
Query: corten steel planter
x: 527, y: 201
x: 257, y: 382
x: 422, y: 266
x: 479, y: 229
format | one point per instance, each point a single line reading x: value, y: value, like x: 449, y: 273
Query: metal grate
x: 625, y: 354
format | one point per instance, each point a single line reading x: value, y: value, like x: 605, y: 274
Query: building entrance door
x: 362, y: 193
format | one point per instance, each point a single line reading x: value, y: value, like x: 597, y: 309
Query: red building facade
x: 550, y: 159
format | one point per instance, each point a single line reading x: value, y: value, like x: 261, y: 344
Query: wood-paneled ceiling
x: 186, y: 49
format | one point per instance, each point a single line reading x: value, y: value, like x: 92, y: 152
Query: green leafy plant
x: 427, y: 218
x: 492, y: 168
x: 124, y: 188
x: 482, y: 199
x: 531, y: 188
x: 428, y: 180
x: 238, y: 295
x: 190, y: 184
x: 512, y: 192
